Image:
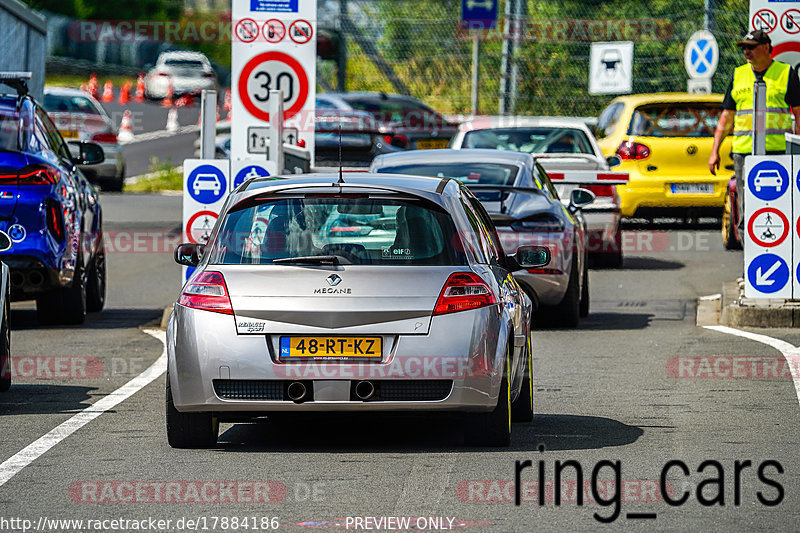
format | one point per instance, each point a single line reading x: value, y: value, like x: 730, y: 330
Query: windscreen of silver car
x: 530, y: 140
x: 544, y: 222
x: 355, y: 229
x: 54, y: 103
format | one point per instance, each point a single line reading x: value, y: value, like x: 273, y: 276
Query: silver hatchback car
x: 357, y: 293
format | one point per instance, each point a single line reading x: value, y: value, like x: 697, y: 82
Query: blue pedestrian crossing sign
x: 768, y: 273
x: 701, y: 55
x: 249, y: 172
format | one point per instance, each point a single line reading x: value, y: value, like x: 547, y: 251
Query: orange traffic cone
x: 167, y: 102
x: 140, y: 87
x: 92, y: 88
x: 125, y: 93
x: 125, y: 130
x: 108, y: 91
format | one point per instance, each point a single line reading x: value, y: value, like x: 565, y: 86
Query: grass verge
x: 162, y: 177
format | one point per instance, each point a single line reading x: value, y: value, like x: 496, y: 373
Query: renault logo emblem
x: 334, y: 280
x: 691, y: 150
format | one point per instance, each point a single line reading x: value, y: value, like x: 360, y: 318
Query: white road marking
x: 36, y: 449
x: 787, y: 350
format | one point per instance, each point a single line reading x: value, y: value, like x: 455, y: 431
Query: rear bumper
x: 196, y: 359
x: 31, y: 276
x: 643, y: 193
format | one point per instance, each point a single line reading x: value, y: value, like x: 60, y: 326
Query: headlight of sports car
x: 544, y: 222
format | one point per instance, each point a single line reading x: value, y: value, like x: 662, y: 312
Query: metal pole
x: 709, y: 17
x: 508, y: 55
x: 341, y: 61
x: 208, y: 123
x: 476, y: 51
x: 759, y: 118
x: 276, y: 129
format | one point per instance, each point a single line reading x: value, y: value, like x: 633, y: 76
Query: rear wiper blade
x: 310, y: 259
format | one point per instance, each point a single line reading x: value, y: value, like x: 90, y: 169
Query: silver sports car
x: 526, y: 209
x: 356, y: 293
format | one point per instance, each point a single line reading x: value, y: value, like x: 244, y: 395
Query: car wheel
x: 493, y: 428
x: 522, y: 408
x: 584, y: 309
x: 96, y: 285
x: 5, y: 350
x: 729, y: 239
x: 116, y: 184
x: 189, y: 430
x: 567, y: 313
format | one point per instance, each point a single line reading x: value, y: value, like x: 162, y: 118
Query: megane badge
x: 334, y: 280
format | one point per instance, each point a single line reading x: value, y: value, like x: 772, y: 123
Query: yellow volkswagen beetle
x: 664, y: 141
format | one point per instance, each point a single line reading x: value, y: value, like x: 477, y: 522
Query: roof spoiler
x: 17, y: 81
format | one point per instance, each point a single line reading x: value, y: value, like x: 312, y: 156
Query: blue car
x: 49, y: 211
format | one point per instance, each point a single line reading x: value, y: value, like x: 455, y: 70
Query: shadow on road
x: 599, y: 321
x: 704, y: 223
x: 37, y: 399
x: 431, y: 434
x: 25, y: 319
x: 650, y: 263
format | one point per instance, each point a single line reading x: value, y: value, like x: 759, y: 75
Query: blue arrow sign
x: 479, y: 14
x: 768, y: 273
x: 768, y: 180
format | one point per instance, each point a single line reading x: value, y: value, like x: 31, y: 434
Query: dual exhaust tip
x: 297, y: 391
x: 32, y: 278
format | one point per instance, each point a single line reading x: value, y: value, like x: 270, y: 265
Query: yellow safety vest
x: 779, y: 115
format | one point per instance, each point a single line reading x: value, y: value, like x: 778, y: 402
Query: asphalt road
x: 608, y: 391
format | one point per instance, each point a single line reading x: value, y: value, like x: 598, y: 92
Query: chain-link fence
x: 416, y: 47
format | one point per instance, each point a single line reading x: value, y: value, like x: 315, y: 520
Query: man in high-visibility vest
x: 783, y: 101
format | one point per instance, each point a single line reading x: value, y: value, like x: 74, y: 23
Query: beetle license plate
x: 432, y: 144
x: 692, y: 188
x: 331, y: 347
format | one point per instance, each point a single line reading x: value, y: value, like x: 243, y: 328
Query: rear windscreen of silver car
x: 355, y: 229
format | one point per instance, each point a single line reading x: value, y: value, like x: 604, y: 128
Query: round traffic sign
x: 768, y: 273
x: 768, y: 227
x: 301, y: 31
x: 788, y: 52
x: 790, y: 21
x: 247, y: 30
x: 274, y: 31
x: 764, y: 20
x: 701, y: 55
x: 249, y: 172
x: 273, y: 71
x: 206, y: 184
x: 768, y: 180
x: 200, y: 225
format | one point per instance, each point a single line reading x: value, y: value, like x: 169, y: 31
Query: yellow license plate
x: 69, y: 134
x: 331, y: 347
x: 432, y: 144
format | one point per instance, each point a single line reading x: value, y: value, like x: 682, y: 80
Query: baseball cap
x: 755, y: 37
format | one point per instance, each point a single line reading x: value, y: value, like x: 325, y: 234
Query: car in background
x: 404, y: 121
x: 286, y: 311
x: 49, y: 211
x: 560, y: 144
x: 526, y: 209
x: 79, y: 116
x: 664, y: 142
x: 183, y: 72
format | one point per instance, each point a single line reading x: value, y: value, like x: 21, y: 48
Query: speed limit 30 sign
x: 282, y: 58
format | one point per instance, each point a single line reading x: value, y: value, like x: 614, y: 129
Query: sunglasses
x: 749, y: 46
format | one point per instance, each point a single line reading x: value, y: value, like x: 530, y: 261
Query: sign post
x: 477, y: 15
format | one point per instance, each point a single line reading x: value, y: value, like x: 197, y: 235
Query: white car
x: 206, y: 182
x: 561, y: 145
x: 768, y: 178
x: 184, y: 72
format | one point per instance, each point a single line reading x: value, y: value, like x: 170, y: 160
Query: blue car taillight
x: 38, y: 175
x: 55, y: 220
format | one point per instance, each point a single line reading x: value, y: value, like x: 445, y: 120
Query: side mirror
x: 189, y: 254
x: 579, y: 198
x: 613, y: 161
x: 532, y: 256
x: 86, y: 153
x: 5, y: 242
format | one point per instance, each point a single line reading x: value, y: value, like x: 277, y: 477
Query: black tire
x: 729, y: 239
x: 584, y: 307
x: 96, y: 282
x: 522, y: 408
x: 116, y: 184
x: 189, y: 430
x: 567, y: 313
x: 5, y: 349
x: 493, y: 428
